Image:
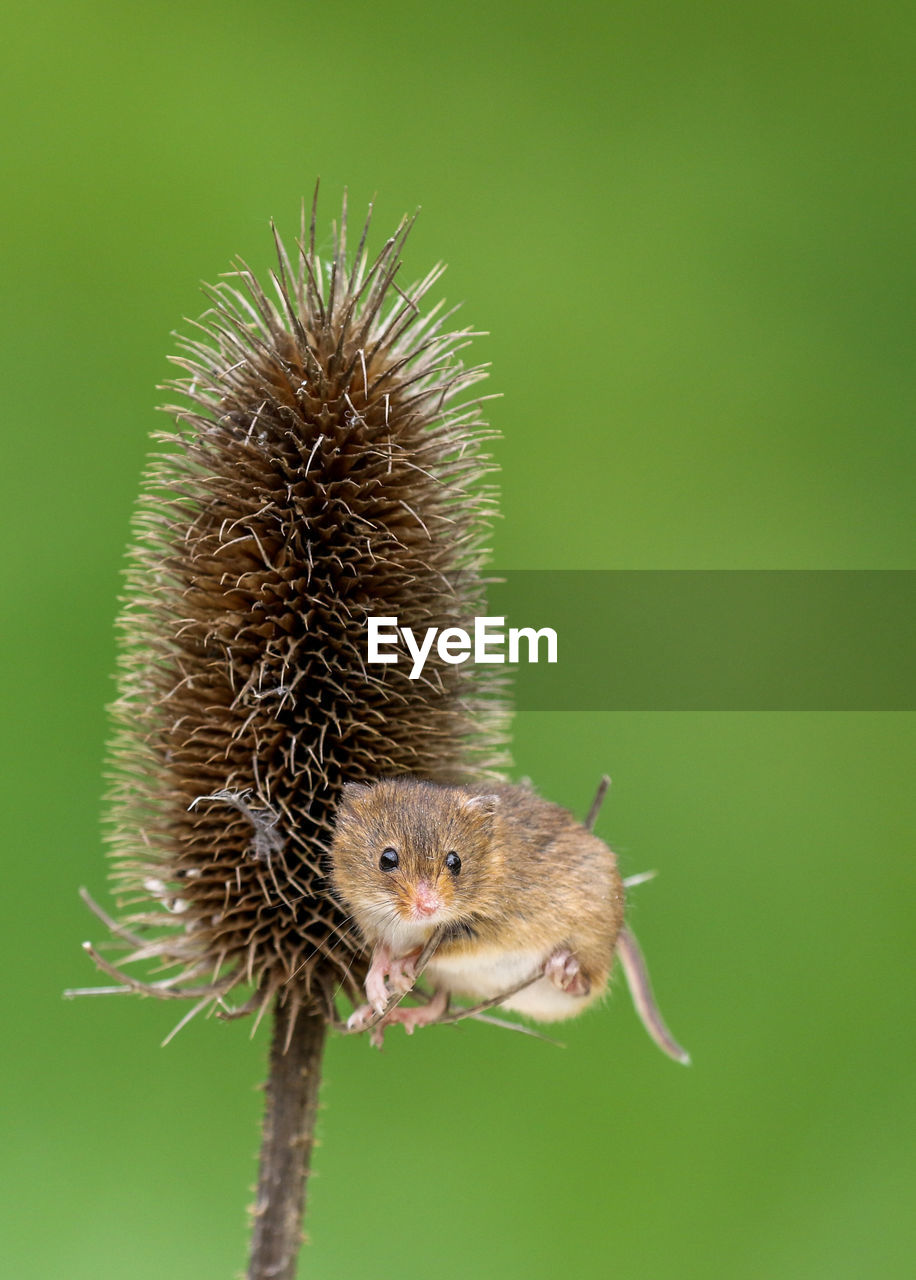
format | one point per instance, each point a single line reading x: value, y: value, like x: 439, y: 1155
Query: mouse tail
x: 637, y: 975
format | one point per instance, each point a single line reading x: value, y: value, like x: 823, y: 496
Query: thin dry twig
x: 595, y: 808
x: 472, y: 1011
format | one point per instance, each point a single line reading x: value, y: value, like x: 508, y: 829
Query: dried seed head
x: 325, y: 469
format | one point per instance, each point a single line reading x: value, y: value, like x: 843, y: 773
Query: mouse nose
x: 426, y: 900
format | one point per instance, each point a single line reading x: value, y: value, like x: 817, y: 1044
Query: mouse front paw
x: 390, y: 975
x: 360, y: 1018
x: 402, y: 971
x: 564, y: 972
x: 376, y: 990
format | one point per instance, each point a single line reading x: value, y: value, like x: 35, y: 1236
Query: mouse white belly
x: 484, y: 974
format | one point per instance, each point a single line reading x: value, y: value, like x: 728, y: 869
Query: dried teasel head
x: 326, y: 467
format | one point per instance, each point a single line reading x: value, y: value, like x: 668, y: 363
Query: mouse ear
x: 482, y: 804
x: 355, y: 791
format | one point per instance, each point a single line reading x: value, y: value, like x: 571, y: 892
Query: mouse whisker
x: 315, y: 950
x: 346, y: 975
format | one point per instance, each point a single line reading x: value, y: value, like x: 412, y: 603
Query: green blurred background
x: 689, y: 231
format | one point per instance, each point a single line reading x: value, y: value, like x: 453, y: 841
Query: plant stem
x: 286, y: 1148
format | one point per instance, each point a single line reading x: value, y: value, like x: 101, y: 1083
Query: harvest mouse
x: 515, y: 886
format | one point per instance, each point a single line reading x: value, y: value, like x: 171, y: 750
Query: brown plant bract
x: 326, y: 470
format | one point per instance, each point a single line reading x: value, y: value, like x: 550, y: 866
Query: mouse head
x: 409, y: 855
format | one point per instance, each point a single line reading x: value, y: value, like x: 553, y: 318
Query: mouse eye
x: 453, y: 862
x: 389, y: 860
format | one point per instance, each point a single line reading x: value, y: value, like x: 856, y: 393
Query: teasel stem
x: 291, y: 1108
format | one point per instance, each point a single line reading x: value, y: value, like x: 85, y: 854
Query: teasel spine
x: 325, y: 468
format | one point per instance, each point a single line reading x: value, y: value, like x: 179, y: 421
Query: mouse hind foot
x: 365, y: 1018
x: 564, y: 971
x: 418, y: 1015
